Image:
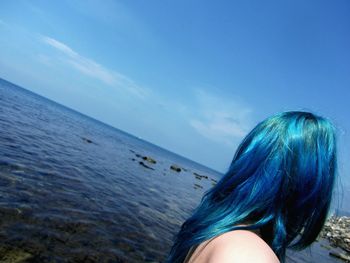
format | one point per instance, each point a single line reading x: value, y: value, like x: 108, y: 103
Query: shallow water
x: 76, y: 190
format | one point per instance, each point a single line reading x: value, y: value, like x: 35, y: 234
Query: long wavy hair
x: 280, y: 181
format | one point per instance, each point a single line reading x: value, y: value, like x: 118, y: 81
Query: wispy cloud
x: 95, y: 70
x: 220, y: 119
x: 60, y: 46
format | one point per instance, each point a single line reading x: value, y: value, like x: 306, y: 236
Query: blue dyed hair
x: 280, y: 181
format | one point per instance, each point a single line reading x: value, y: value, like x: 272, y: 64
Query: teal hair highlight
x: 280, y: 181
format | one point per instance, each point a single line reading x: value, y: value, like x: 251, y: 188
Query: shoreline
x: 337, y: 231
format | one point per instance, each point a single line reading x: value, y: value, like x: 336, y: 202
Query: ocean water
x: 73, y: 189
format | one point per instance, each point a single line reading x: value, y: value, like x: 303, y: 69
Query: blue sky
x: 190, y: 76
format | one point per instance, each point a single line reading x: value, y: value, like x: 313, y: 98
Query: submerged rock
x: 149, y: 159
x: 14, y: 255
x: 213, y: 182
x: 86, y: 140
x: 340, y: 256
x: 175, y: 168
x: 199, y: 176
x: 197, y: 186
x: 145, y: 165
x: 145, y: 158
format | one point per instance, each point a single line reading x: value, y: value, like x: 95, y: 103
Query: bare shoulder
x: 237, y: 246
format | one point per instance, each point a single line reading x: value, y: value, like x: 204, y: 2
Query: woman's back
x: 233, y: 247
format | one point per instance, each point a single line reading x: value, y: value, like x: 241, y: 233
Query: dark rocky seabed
x: 73, y: 189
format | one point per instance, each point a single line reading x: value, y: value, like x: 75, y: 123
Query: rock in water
x: 196, y: 186
x: 145, y: 165
x: 175, y: 168
x: 149, y: 159
x: 199, y: 177
x: 14, y: 255
x: 340, y: 256
x: 86, y: 140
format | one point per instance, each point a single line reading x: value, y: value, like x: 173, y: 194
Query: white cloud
x: 221, y: 119
x: 92, y: 69
x: 60, y: 46
x: 215, y: 117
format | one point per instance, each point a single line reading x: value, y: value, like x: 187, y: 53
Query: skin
x: 239, y: 246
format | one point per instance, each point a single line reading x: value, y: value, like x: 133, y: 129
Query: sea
x: 74, y: 189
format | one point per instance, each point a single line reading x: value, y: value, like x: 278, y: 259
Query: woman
x: 275, y: 195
